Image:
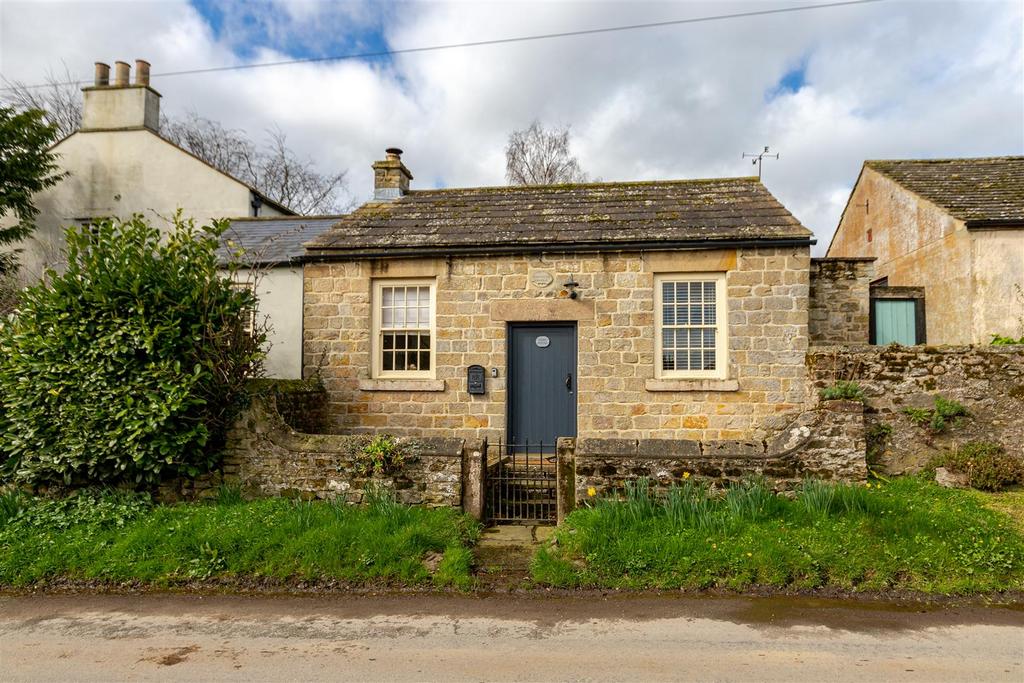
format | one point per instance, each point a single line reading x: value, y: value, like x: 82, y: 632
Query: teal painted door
x: 542, y: 384
x: 895, y: 321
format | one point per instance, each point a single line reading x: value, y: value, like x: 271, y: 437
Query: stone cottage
x: 947, y: 236
x: 634, y: 310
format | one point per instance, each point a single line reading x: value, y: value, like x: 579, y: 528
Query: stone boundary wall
x: 987, y: 380
x: 827, y: 442
x: 840, y: 303
x: 265, y: 457
x: 302, y: 403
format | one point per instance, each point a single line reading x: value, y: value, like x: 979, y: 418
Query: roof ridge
x: 940, y: 160
x: 567, y: 186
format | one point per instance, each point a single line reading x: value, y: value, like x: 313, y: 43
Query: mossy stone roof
x: 602, y: 215
x: 980, y: 191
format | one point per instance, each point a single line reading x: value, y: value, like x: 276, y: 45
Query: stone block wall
x: 617, y: 394
x: 265, y: 457
x: 987, y: 380
x: 826, y: 443
x: 301, y: 403
x: 840, y: 300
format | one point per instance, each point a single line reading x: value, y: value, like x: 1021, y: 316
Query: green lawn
x: 118, y: 537
x: 908, y: 534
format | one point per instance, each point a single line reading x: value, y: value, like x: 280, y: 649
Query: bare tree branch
x: 537, y: 156
x: 273, y: 168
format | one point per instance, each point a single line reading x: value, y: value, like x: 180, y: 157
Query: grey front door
x: 541, y: 383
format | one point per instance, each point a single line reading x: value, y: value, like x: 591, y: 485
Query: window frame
x: 377, y: 332
x: 721, y: 370
x: 249, y: 321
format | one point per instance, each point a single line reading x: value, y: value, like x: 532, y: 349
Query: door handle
x: 568, y: 382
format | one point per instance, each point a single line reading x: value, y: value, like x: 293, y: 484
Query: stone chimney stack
x: 121, y: 105
x: 390, y: 177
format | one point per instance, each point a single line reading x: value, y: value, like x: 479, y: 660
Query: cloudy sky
x: 825, y: 88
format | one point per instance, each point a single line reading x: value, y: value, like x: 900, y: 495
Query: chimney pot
x: 102, y: 74
x: 141, y: 72
x: 390, y: 177
x: 121, y: 71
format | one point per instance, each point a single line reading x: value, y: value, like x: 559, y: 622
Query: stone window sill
x: 401, y: 384
x: 692, y: 385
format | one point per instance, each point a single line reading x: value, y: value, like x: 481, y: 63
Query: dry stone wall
x: 825, y: 443
x: 617, y: 393
x: 987, y: 380
x: 265, y: 457
x: 840, y: 300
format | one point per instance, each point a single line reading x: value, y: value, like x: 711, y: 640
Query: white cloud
x: 896, y: 79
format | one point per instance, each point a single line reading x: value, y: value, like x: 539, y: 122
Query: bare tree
x: 538, y: 156
x: 60, y: 100
x: 272, y: 168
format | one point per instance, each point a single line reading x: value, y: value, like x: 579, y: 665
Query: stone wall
x: 617, y: 391
x: 267, y: 458
x: 826, y: 443
x: 987, y: 380
x: 301, y: 403
x: 839, y: 300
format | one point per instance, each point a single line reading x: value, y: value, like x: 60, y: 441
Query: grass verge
x: 117, y: 538
x: 907, y: 534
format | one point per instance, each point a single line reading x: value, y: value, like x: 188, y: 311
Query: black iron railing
x: 521, y: 483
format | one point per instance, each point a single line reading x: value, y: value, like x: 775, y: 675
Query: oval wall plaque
x: 541, y: 278
x: 543, y: 342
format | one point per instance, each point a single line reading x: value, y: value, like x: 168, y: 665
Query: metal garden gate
x: 521, y: 483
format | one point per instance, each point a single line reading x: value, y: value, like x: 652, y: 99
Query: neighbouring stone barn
x: 649, y: 310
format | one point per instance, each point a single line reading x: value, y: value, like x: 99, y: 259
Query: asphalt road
x: 414, y: 638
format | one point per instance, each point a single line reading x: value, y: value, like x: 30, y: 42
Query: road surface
x: 450, y: 638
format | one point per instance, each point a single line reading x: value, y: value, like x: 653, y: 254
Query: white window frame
x: 377, y: 339
x: 721, y: 370
x: 249, y: 322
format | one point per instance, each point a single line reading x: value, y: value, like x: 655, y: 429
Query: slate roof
x: 593, y: 215
x: 273, y: 240
x: 983, y: 191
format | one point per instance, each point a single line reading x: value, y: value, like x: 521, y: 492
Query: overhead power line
x: 482, y: 43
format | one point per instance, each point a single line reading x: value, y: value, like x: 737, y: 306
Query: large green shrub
x: 129, y: 364
x: 988, y: 466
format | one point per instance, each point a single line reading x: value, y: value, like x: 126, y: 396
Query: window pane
x: 682, y: 292
x: 413, y: 317
x: 668, y: 339
x: 695, y: 292
x: 413, y: 341
x: 412, y: 365
x: 682, y: 360
x: 424, y: 296
x: 389, y: 341
x: 424, y: 316
x: 709, y: 314
x: 709, y: 338
x: 399, y: 341
x: 709, y: 291
x: 709, y: 360
x: 667, y: 362
x: 388, y: 317
x: 696, y: 317
x: 696, y: 360
x: 424, y: 360
x: 424, y: 341
x: 388, y: 362
x: 668, y: 315
x: 400, y: 360
x: 668, y: 292
x: 388, y: 298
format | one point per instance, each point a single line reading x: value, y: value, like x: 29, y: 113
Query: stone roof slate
x: 272, y: 240
x: 988, y: 190
x: 602, y: 215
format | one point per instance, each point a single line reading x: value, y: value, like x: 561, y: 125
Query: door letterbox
x: 475, y: 379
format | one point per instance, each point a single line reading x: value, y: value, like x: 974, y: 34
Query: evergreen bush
x: 128, y: 366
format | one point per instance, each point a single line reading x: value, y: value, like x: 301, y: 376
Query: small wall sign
x: 541, y: 278
x: 543, y: 342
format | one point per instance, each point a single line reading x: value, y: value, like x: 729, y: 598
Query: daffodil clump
x: 907, y: 534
